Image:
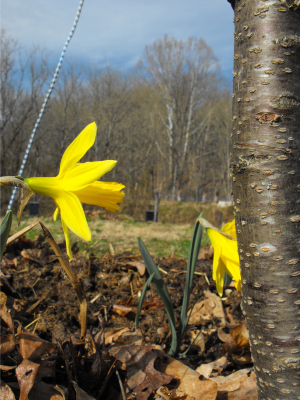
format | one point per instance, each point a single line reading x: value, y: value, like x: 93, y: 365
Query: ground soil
x: 39, y: 291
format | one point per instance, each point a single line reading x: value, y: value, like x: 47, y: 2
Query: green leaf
x: 192, y: 260
x: 162, y: 291
x: 4, y: 231
x: 141, y: 300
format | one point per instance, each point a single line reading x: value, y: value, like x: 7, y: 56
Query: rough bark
x: 265, y: 172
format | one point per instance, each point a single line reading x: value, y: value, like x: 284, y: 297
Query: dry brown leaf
x: 80, y: 393
x: 44, y: 391
x: 140, y: 266
x: 189, y: 380
x: 90, y: 367
x: 218, y: 365
x: 240, y: 385
x: 32, y: 347
x: 130, y: 338
x: 206, y: 252
x: 7, y: 344
x: 123, y: 310
x: 227, y: 339
x: 244, y: 359
x: 46, y: 370
x: 237, y: 339
x: 232, y: 320
x: 29, y: 375
x: 28, y: 256
x: 5, y: 313
x: 143, y: 378
x: 174, y: 394
x: 240, y: 335
x: 7, y: 367
x: 76, y: 341
x: 236, y: 343
x: 5, y: 392
x: 197, y: 339
x: 60, y: 396
x: 208, y: 309
x: 123, y: 336
x: 26, y: 373
x: 111, y: 336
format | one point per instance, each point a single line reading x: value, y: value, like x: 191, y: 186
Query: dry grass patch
x: 170, y: 235
x: 160, y: 239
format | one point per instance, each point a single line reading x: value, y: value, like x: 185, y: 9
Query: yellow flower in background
x: 226, y: 258
x: 78, y: 183
x: 230, y: 229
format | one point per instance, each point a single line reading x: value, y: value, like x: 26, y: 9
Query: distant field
x: 170, y: 235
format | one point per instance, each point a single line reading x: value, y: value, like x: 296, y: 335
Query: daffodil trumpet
x: 75, y: 183
x: 226, y: 258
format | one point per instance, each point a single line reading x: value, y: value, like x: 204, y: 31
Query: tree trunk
x: 265, y: 172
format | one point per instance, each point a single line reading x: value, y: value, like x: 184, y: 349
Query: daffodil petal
x: 81, y: 175
x: 225, y: 259
x: 216, y: 261
x: 219, y: 277
x: 72, y: 214
x: 102, y: 194
x: 55, y: 215
x: 230, y: 252
x: 229, y: 247
x: 230, y: 229
x: 67, y: 237
x: 77, y: 149
x: 238, y: 285
x: 233, y: 270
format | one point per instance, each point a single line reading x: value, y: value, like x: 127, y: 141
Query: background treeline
x: 167, y: 122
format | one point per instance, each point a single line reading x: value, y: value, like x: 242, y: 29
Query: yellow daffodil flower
x: 78, y: 183
x: 226, y: 258
x: 230, y: 229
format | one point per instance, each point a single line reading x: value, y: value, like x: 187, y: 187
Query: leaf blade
x: 162, y: 291
x: 4, y: 231
x: 141, y: 300
x: 191, y: 264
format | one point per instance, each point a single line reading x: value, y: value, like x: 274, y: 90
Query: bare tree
x: 185, y: 74
x: 168, y: 131
x: 110, y: 105
x: 67, y: 114
x: 209, y: 153
x: 265, y: 171
x: 21, y: 98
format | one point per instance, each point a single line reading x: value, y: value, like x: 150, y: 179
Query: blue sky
x: 115, y: 32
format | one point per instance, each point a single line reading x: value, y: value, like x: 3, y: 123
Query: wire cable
x: 46, y: 100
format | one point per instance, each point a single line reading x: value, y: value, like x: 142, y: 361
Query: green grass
x: 162, y: 239
x: 171, y: 235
